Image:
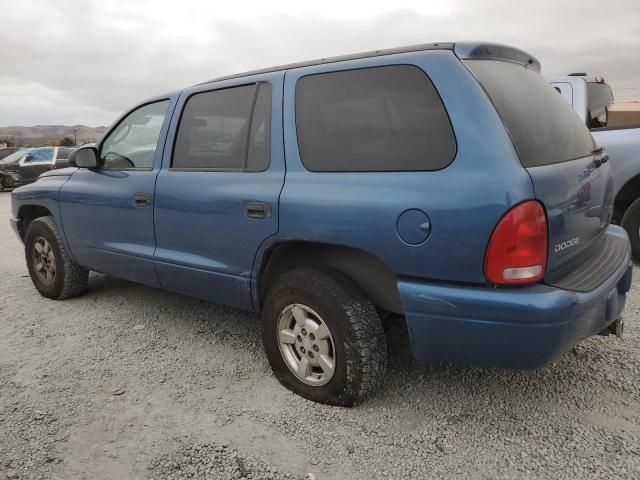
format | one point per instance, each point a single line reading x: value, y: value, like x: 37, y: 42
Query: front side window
x: 133, y: 143
x: 41, y: 155
x: 373, y: 119
x: 225, y: 130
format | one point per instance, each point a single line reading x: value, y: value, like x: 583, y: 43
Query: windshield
x: 14, y: 157
x: 542, y: 125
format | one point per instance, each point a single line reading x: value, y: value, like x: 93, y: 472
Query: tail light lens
x: 518, y: 248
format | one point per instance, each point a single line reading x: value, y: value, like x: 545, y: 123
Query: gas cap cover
x: 413, y: 226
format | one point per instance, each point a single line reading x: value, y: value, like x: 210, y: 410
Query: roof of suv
x: 464, y: 50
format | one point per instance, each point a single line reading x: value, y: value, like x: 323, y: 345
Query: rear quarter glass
x: 543, y: 127
x: 387, y: 118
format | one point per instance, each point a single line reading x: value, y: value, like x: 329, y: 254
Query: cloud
x: 75, y: 61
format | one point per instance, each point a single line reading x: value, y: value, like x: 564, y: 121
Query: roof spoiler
x: 495, y: 51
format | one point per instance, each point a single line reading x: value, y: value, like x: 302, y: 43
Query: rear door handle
x: 257, y: 210
x: 142, y: 200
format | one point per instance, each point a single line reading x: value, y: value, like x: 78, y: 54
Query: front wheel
x: 52, y: 271
x: 323, y: 337
x: 631, y: 223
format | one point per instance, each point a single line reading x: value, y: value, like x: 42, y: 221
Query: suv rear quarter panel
x: 463, y: 201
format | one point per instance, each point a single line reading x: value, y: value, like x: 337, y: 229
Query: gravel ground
x: 131, y: 382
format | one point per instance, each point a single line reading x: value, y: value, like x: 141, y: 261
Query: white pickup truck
x: 591, y: 98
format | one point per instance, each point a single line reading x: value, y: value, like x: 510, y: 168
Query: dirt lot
x: 131, y: 382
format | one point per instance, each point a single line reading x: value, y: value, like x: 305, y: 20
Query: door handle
x: 257, y: 210
x: 142, y: 200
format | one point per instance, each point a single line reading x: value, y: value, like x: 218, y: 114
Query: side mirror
x: 84, y: 157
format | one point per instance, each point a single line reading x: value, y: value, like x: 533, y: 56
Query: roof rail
x: 341, y: 58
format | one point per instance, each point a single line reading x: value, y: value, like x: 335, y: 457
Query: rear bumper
x: 520, y: 328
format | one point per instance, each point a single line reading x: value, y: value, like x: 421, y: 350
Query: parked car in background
x: 591, y: 98
x: 447, y: 183
x: 24, y: 166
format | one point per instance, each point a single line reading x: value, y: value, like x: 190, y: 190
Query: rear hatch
x: 570, y: 178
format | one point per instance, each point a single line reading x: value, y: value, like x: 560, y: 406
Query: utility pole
x: 75, y: 136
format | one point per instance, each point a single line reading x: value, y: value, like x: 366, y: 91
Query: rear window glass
x: 600, y: 97
x: 373, y: 119
x: 542, y: 125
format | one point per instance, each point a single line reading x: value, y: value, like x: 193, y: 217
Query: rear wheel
x: 52, y: 271
x: 631, y: 223
x: 323, y: 337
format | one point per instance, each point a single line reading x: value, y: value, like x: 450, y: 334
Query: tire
x: 52, y: 271
x: 358, y: 348
x: 631, y: 223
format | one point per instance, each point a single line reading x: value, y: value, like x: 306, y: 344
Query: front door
x: 108, y: 212
x: 217, y: 194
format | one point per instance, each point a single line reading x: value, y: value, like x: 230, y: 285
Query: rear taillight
x: 517, y: 250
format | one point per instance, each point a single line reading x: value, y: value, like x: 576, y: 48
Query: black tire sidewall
x: 336, y: 391
x: 37, y: 229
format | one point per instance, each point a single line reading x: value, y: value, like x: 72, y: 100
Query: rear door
x: 569, y: 177
x: 216, y: 198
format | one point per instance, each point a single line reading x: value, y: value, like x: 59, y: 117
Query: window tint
x: 134, y: 141
x: 40, y: 155
x: 543, y: 127
x: 372, y: 119
x: 600, y: 97
x: 215, y: 131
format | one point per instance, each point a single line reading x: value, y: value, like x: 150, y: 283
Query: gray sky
x: 85, y: 61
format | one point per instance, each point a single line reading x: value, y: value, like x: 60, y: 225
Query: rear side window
x: 543, y: 127
x: 63, y: 153
x: 600, y: 97
x: 372, y: 119
x: 225, y: 130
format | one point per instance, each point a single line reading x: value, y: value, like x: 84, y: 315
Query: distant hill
x: 43, y: 134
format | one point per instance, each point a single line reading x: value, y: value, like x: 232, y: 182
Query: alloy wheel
x: 44, y: 260
x: 306, y: 344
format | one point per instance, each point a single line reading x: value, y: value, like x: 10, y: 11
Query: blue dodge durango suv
x: 446, y: 183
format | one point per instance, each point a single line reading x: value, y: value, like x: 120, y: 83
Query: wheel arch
x: 373, y: 276
x: 28, y: 213
x: 626, y: 196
